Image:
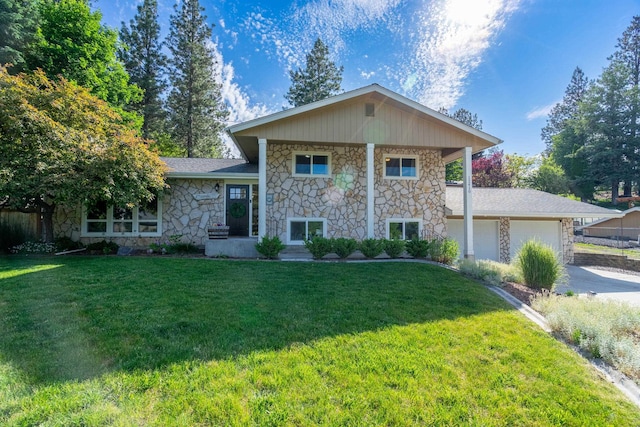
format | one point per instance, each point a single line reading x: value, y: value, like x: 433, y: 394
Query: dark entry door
x: 238, y: 209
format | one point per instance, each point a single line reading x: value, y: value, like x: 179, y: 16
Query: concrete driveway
x: 607, y: 284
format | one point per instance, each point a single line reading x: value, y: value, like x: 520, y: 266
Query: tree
x: 519, y: 167
x: 71, y: 42
x: 61, y: 145
x: 549, y: 177
x: 196, y: 110
x: 453, y: 170
x: 18, y: 24
x: 320, y: 78
x: 491, y: 171
x: 144, y: 61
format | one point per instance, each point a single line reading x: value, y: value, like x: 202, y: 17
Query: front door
x: 238, y: 209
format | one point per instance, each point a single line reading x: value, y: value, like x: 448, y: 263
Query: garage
x: 486, y: 244
x: 547, y: 232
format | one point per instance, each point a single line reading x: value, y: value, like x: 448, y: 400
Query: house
x: 504, y: 218
x: 627, y: 226
x: 365, y: 163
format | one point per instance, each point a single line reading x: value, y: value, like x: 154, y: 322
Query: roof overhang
x: 211, y: 175
x: 544, y: 215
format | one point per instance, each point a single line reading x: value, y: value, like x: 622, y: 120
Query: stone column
x: 262, y: 188
x: 505, y: 240
x: 370, y: 190
x: 567, y: 241
x: 468, y: 210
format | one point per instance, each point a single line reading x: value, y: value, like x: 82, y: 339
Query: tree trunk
x: 615, y: 187
x: 47, y: 222
x: 627, y: 189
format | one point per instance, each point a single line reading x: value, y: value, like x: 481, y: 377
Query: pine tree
x: 196, y: 110
x: 18, y: 24
x: 453, y: 170
x: 144, y: 61
x: 320, y: 78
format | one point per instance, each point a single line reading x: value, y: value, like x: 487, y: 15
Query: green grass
x: 598, y: 249
x: 163, y: 341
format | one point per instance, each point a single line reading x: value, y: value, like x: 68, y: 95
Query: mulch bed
x: 521, y: 292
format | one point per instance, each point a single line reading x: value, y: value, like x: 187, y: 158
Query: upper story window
x: 101, y: 219
x: 311, y: 164
x: 401, y: 167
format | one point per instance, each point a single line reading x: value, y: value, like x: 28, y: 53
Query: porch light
x: 217, y: 187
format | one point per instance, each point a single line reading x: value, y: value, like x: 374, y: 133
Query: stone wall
x: 342, y: 198
x: 606, y: 260
x: 182, y: 214
x: 505, y: 240
x: 567, y: 240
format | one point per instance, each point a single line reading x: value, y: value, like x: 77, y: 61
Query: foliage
x: 320, y: 78
x: 174, y: 245
x: 197, y: 113
x: 103, y: 246
x: 393, y: 247
x: 18, y: 24
x: 371, y: 248
x: 71, y: 42
x: 76, y: 145
x: 444, y: 251
x: 520, y: 168
x: 157, y: 341
x: 144, y: 61
x: 549, y: 177
x: 418, y: 248
x: 539, y: 265
x: 491, y: 272
x: 343, y: 247
x: 492, y: 171
x: 453, y: 170
x: 38, y: 248
x: 318, y: 246
x: 64, y: 243
x: 11, y: 234
x: 270, y: 247
x: 605, y: 329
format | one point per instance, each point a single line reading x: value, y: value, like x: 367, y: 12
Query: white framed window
x: 301, y: 229
x: 311, y: 164
x: 101, y: 219
x: 401, y: 166
x: 403, y: 228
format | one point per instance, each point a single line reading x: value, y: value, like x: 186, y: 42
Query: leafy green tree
x: 320, y: 78
x: 144, y: 61
x: 196, y: 110
x: 453, y: 170
x: 61, y: 145
x: 519, y: 168
x: 18, y: 24
x: 71, y: 42
x: 549, y: 177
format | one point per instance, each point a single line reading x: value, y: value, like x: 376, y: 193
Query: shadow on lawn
x: 97, y: 315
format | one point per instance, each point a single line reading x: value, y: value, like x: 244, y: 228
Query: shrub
x: 488, y: 271
x: 11, y: 235
x: 318, y: 246
x: 270, y: 247
x: 104, y: 247
x: 65, y: 243
x: 445, y: 251
x: 371, y: 248
x: 539, y: 265
x: 34, y: 248
x: 343, y: 247
x: 393, y: 247
x: 418, y: 248
x: 182, y: 248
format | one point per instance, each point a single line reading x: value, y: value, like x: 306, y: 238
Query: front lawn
x: 164, y: 341
x: 607, y: 250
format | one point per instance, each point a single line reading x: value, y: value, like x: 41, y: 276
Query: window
x: 301, y: 229
x: 404, y: 229
x: 401, y: 167
x: 100, y: 219
x: 311, y: 164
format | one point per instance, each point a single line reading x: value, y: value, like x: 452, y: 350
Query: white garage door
x: 546, y: 231
x: 486, y: 240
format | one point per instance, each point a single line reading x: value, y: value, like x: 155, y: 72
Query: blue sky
x: 508, y: 61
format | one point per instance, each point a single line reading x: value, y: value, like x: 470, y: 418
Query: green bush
x: 418, y: 248
x: 371, y: 248
x: 393, y: 247
x: 182, y: 248
x: 65, y: 243
x: 539, y: 265
x: 270, y: 247
x: 11, y: 235
x: 104, y: 247
x: 318, y: 246
x: 445, y: 251
x: 343, y: 247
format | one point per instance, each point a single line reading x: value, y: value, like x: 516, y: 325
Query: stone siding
x: 567, y: 240
x: 505, y: 240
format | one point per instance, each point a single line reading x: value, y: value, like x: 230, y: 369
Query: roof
x: 523, y: 203
x: 604, y: 220
x: 181, y: 167
x: 247, y: 144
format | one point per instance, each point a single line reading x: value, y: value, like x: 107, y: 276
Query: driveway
x: 607, y: 284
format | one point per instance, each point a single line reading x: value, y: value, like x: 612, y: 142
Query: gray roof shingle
x: 522, y: 202
x: 181, y: 165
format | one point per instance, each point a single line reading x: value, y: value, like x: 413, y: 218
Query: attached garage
x: 505, y: 218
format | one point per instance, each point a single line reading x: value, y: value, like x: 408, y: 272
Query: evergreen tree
x: 320, y: 78
x: 144, y: 61
x: 453, y: 170
x: 18, y: 24
x: 196, y: 110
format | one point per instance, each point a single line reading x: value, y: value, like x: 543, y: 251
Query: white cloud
x: 366, y: 75
x: 540, y: 112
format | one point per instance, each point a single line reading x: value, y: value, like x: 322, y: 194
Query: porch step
x: 233, y: 247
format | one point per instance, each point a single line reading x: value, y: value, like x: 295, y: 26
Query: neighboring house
x: 626, y: 227
x: 504, y: 218
x: 365, y: 163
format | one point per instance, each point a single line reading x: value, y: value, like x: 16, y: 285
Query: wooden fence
x: 29, y: 222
